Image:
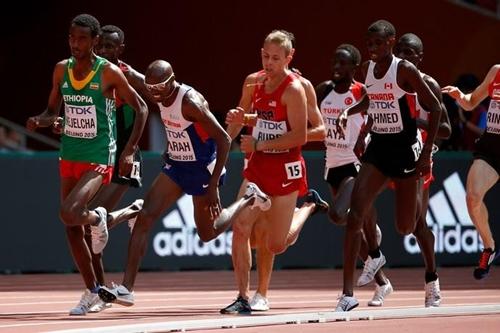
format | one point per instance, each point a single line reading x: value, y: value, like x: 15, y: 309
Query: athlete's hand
x: 248, y: 144
x: 57, y: 126
x: 452, y: 91
x: 213, y: 201
x: 341, y: 122
x: 423, y: 166
x: 360, y: 147
x: 235, y: 116
x: 126, y: 163
x: 33, y: 123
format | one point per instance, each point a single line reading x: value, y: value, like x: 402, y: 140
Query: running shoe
x: 372, y: 265
x: 485, y: 261
x: 99, y: 233
x: 118, y: 294
x: 320, y: 205
x: 259, y: 303
x: 239, y: 306
x: 380, y: 293
x: 346, y: 303
x: 432, y: 294
x: 87, y: 300
x: 262, y: 200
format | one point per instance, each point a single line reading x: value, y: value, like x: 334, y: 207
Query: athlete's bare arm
x: 113, y: 78
x: 49, y: 116
x: 136, y: 80
x: 235, y: 117
x: 316, y: 130
x: 195, y: 108
x: 409, y: 79
x: 470, y: 101
x: 444, y: 129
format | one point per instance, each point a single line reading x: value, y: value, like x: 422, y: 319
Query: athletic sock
x: 430, y: 276
x: 375, y: 253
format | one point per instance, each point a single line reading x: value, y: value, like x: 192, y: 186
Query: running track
x: 40, y: 302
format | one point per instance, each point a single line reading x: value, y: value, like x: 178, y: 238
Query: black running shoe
x: 240, y: 306
x: 320, y: 204
x: 485, y: 261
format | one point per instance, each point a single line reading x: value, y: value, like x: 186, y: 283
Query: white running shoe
x: 99, y: 233
x: 432, y: 294
x: 380, y: 293
x: 262, y: 200
x: 99, y: 306
x: 259, y: 303
x: 118, y: 294
x: 372, y: 265
x: 136, y: 205
x: 346, y: 303
x: 87, y: 300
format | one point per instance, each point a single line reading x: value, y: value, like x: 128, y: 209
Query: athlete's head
x: 111, y: 44
x: 160, y: 80
x: 345, y: 61
x: 410, y: 47
x: 380, y: 39
x: 277, y: 51
x: 83, y: 35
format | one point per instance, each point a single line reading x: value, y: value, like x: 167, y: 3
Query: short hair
x: 283, y: 38
x: 384, y: 27
x: 110, y: 29
x: 353, y: 52
x: 88, y: 21
x: 413, y: 40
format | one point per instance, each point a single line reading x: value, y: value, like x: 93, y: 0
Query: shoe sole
x: 260, y: 310
x: 236, y: 312
x: 109, y: 297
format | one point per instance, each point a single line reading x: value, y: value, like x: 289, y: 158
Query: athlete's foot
x: 346, y: 303
x: 127, y: 213
x: 371, y: 267
x: 261, y: 200
x: 380, y: 293
x: 488, y: 256
x: 320, y: 205
x: 432, y: 294
x: 239, y: 306
x: 99, y: 233
x: 118, y: 294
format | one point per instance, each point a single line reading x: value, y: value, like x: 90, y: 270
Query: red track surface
x: 40, y: 303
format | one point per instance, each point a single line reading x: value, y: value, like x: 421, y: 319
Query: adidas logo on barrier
x: 181, y: 239
x: 449, y: 220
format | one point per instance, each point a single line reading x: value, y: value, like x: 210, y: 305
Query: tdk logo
x: 449, y: 221
x: 180, y: 239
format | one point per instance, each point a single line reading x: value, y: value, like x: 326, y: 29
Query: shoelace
x: 483, y: 261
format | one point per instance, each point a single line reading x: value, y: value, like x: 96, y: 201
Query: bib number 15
x: 293, y: 170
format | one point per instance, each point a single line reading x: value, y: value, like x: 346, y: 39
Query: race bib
x: 269, y: 130
x: 293, y: 170
x: 80, y: 121
x: 180, y: 147
x: 493, y: 117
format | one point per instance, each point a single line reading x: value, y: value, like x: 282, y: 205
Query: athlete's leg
x: 75, y: 233
x: 369, y: 182
x: 424, y: 235
x: 108, y: 197
x: 279, y: 219
x: 241, y: 251
x: 300, y: 217
x: 264, y: 257
x: 74, y: 208
x: 480, y: 179
x: 163, y: 193
x: 406, y: 204
x: 207, y: 227
x: 341, y: 201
